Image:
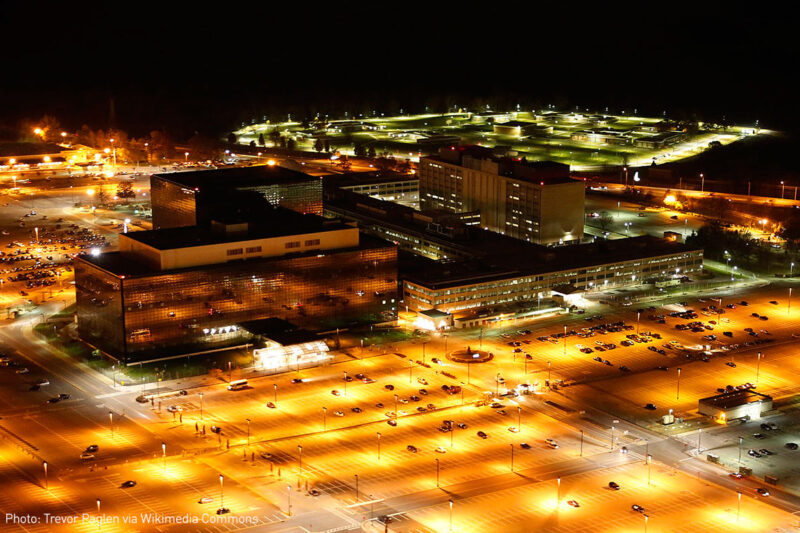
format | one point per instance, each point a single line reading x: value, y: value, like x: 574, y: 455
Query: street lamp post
x: 738, y: 504
x: 111, y: 423
x: 275, y: 397
x: 248, y: 432
x: 649, y: 468
x: 437, y: 472
x: 612, y: 437
x: 758, y: 367
x: 46, y: 486
x: 379, y: 446
x: 300, y: 452
x: 740, y: 450
x: 548, y: 374
x: 451, y: 515
x: 324, y: 419
x: 638, y: 316
x: 289, y: 500
x: 519, y: 418
x: 702, y: 182
x: 678, y: 393
x: 558, y: 491
x: 164, y: 453
x: 201, y: 406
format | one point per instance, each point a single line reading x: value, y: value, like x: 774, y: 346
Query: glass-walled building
x: 188, y: 289
x: 197, y: 198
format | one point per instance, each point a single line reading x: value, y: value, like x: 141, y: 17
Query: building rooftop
x: 543, y: 172
x: 124, y: 265
x: 275, y: 223
x: 279, y: 330
x: 352, y: 179
x: 530, y: 259
x: 736, y: 398
x: 15, y: 149
x: 237, y: 177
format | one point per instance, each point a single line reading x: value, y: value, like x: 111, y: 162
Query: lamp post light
x: 791, y: 269
x: 437, y: 472
x: 645, y: 523
x: 758, y: 367
x: 612, y: 437
x: 98, y: 514
x: 186, y: 157
x: 164, y: 453
x: 738, y: 504
x: 702, y: 182
x: 638, y: 316
x: 519, y: 418
x: 289, y: 500
x: 740, y: 450
x: 649, y: 468
x: 111, y: 423
x: 451, y: 513
x: 46, y: 486
x: 558, y: 491
x: 324, y: 419
x: 248, y: 432
x: 379, y: 446
x: 275, y: 396
x: 678, y: 393
x: 201, y: 406
x: 300, y: 452
x: 783, y: 187
x: 221, y: 492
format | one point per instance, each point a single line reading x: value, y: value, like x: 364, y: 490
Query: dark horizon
x: 209, y: 72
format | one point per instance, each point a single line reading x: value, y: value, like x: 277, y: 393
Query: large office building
x: 533, y: 201
x: 527, y: 274
x: 189, y: 289
x: 198, y: 197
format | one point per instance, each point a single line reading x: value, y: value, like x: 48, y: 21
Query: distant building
x: 191, y: 289
x: 195, y: 198
x: 659, y: 140
x: 601, y: 137
x: 533, y: 201
x: 518, y: 128
x: 738, y: 404
x: 384, y: 185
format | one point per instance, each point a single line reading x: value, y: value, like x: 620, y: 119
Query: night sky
x: 206, y: 69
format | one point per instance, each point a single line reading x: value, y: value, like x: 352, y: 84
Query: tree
x: 371, y: 152
x: 231, y: 138
x: 327, y: 146
x: 261, y: 139
x: 203, y: 147
x: 291, y: 144
x: 605, y: 220
x: 283, y: 142
x: 385, y: 162
x: 102, y: 197
x: 125, y: 190
x: 252, y: 144
x: 275, y: 136
x: 358, y: 150
x: 319, y: 145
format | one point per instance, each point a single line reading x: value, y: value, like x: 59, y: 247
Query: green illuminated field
x: 547, y: 136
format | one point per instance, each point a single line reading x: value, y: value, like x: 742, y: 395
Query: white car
x: 439, y: 449
x: 550, y: 442
x: 205, y: 499
x: 23, y: 370
x: 86, y: 455
x: 514, y: 429
x: 43, y: 382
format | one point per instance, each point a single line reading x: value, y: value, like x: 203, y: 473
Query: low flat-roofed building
x: 386, y: 185
x: 527, y: 275
x: 197, y: 197
x: 737, y: 404
x: 185, y: 290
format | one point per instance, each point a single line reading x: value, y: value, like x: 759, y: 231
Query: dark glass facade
x: 194, y: 309
x: 176, y: 204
